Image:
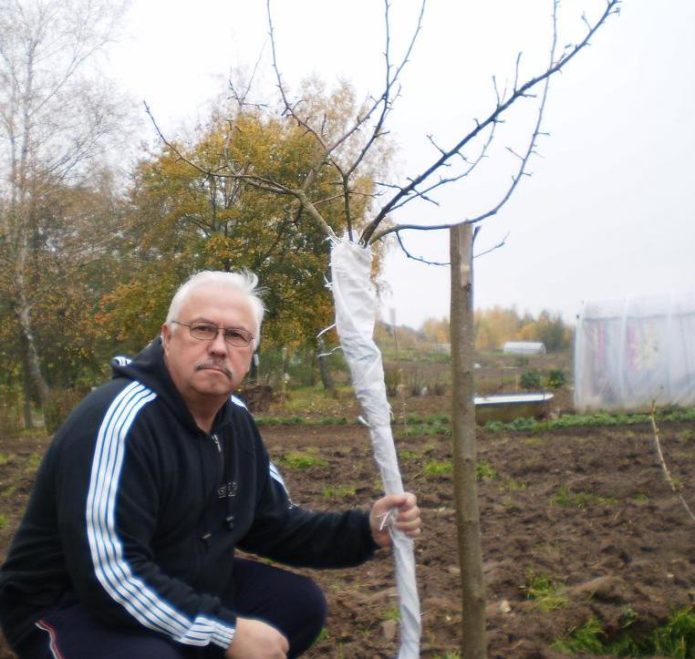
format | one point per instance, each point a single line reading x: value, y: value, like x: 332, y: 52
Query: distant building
x: 524, y: 347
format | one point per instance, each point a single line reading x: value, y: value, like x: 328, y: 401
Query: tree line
x: 495, y: 326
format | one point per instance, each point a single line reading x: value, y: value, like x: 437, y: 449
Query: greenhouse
x: 635, y: 352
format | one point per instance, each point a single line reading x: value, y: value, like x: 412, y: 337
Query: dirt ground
x: 588, y: 511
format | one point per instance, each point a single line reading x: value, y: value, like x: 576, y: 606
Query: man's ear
x: 165, y: 333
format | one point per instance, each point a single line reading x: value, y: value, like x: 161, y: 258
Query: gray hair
x: 242, y: 281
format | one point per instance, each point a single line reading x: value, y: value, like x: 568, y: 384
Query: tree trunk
x: 26, y: 390
x: 474, y: 644
x: 324, y: 369
x: 32, y: 361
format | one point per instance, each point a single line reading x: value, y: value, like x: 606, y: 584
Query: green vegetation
x: 407, y: 454
x: 513, y: 485
x: 33, y: 461
x: 434, y: 468
x: 339, y: 491
x: 392, y: 613
x: 568, y: 499
x: 438, y: 468
x: 590, y: 420
x: 440, y: 424
x: 3, y: 520
x: 302, y: 460
x: 675, y: 638
x: 484, y: 471
x: 531, y: 380
x: 556, y: 378
x: 545, y: 593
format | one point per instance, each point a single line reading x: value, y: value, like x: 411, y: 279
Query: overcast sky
x: 609, y: 211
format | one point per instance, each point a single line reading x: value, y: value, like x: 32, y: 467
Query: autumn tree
x: 185, y: 218
x: 54, y: 115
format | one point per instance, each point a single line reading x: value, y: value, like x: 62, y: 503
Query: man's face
x: 208, y: 369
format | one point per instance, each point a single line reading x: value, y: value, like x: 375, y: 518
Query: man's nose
x: 218, y: 344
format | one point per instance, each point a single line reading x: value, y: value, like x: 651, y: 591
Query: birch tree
x: 55, y: 114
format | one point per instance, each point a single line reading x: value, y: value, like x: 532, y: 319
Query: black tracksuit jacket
x: 137, y: 512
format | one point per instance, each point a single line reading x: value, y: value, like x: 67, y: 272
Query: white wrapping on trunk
x: 355, y: 305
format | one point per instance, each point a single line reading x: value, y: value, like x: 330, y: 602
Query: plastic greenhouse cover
x: 355, y: 308
x: 632, y: 353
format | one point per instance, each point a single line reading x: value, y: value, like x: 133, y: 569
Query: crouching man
x: 126, y: 549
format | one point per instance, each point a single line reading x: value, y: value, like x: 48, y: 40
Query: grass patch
x: 392, y: 613
x: 568, y: 499
x: 434, y: 468
x: 484, y: 471
x: 513, y: 485
x: 302, y: 460
x: 33, y: 461
x: 407, y: 454
x: 339, y: 491
x: 3, y: 520
x: 438, y: 468
x: 675, y: 638
x: 434, y: 425
x: 545, y: 593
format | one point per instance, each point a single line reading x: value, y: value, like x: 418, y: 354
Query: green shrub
x: 556, y: 378
x: 530, y: 380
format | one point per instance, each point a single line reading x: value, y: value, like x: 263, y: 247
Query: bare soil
x: 587, y: 509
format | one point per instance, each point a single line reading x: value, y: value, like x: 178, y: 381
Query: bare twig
x: 258, y: 182
x: 409, y: 191
x: 380, y: 106
x: 421, y: 259
x: 667, y: 474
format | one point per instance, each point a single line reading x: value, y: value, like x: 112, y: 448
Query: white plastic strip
x: 355, y: 305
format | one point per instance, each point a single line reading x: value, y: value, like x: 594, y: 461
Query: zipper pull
x: 217, y: 443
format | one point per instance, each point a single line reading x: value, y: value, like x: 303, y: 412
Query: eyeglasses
x: 234, y: 336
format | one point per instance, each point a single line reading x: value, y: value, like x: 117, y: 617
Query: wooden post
x: 473, y: 645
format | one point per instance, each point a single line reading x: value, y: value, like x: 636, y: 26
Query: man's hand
x: 255, y: 639
x: 397, y: 510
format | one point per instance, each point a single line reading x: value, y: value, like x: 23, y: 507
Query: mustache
x: 211, y: 364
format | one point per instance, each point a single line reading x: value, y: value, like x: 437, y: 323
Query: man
x: 127, y: 546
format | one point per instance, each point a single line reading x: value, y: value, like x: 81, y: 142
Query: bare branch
x: 258, y: 182
x: 409, y: 191
x: 667, y: 473
x: 472, y: 164
x: 421, y: 259
x: 418, y: 258
x: 500, y: 244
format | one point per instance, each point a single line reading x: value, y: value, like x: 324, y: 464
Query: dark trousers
x: 291, y: 603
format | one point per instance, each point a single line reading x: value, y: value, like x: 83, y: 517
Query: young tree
x: 343, y: 156
x: 54, y: 116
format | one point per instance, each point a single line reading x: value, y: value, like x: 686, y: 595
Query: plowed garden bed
x: 577, y: 525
